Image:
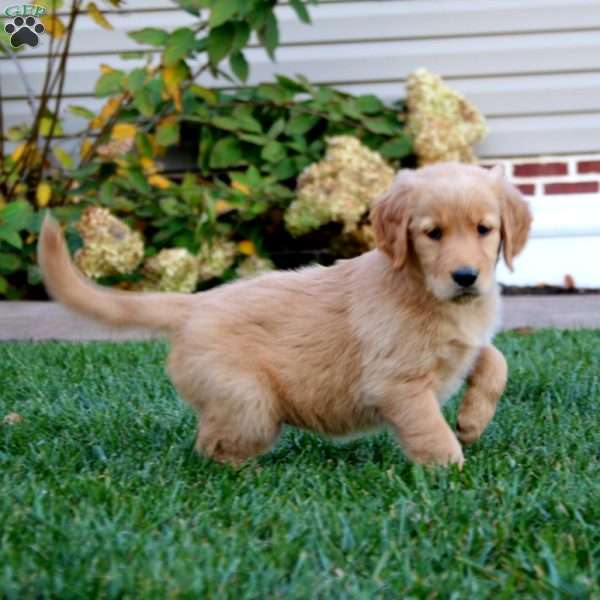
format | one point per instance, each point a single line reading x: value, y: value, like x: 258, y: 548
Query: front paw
x: 447, y: 452
x: 468, y: 430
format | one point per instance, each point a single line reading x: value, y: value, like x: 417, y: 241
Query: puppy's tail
x: 163, y: 311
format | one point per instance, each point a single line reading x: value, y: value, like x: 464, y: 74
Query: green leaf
x: 86, y: 171
x: 369, y: 104
x: 301, y: 124
x: 170, y: 206
x: 222, y: 11
x: 324, y: 95
x: 16, y: 215
x: 179, y: 44
x: 137, y: 182
x: 194, y: 6
x: 396, y: 148
x: 253, y: 139
x: 109, y: 83
x: 284, y: 169
x: 208, y: 95
x: 3, y: 285
x: 350, y: 109
x: 135, y: 80
x: 150, y: 35
x: 167, y: 134
x: 273, y: 152
x: 269, y: 35
x: 299, y: 143
x: 9, y: 263
x: 276, y: 129
x: 143, y: 145
x: 63, y: 157
x: 245, y: 119
x: 81, y: 111
x: 107, y: 192
x: 227, y: 152
x: 219, y: 43
x: 301, y: 10
x: 241, y: 36
x: 46, y: 124
x: 274, y: 93
x: 144, y: 102
x: 381, y: 125
x: 225, y: 122
x: 239, y: 66
x: 291, y: 85
x: 258, y: 17
x: 302, y: 162
x: 11, y: 237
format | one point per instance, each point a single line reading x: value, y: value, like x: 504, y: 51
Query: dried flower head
x: 215, y: 258
x: 114, y: 149
x: 443, y: 124
x: 254, y: 265
x: 110, y: 246
x: 171, y: 270
x: 338, y: 188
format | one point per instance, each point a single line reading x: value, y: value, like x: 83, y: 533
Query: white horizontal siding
x: 364, y: 21
x: 530, y: 65
x: 565, y: 235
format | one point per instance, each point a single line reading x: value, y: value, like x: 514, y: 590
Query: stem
x: 90, y: 153
x: 62, y: 70
x: 1, y: 135
x: 28, y: 89
x: 33, y: 135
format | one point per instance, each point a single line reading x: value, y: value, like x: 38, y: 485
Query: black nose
x: 465, y: 276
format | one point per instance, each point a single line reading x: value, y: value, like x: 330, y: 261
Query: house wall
x: 563, y: 192
x: 531, y: 66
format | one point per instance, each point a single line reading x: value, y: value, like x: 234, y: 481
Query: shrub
x: 243, y: 152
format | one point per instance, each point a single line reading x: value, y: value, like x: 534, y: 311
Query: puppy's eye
x: 435, y: 234
x: 483, y: 230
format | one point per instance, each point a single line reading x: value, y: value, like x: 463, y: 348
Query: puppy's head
x: 449, y: 221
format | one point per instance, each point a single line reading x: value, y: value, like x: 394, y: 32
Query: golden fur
x: 381, y: 339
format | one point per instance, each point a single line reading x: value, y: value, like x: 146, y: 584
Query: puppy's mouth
x: 464, y: 296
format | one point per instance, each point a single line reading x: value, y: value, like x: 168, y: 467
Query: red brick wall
x: 553, y: 175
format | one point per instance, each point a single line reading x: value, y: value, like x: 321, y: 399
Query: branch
x: 30, y: 94
x: 1, y: 132
x: 62, y: 70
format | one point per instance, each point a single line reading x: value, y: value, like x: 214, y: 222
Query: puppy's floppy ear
x: 516, y: 217
x: 390, y: 217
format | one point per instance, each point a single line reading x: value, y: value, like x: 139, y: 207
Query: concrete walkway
x: 50, y: 321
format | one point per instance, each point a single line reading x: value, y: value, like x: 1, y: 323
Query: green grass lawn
x: 101, y: 494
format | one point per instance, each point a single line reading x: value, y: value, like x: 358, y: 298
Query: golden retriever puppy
x: 382, y: 339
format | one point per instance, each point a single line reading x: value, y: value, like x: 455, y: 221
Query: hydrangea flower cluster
x: 254, y: 265
x: 110, y: 246
x: 171, y: 270
x: 338, y: 188
x: 215, y: 258
x: 443, y: 124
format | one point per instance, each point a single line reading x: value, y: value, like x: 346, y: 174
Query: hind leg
x: 238, y: 407
x: 239, y: 421
x: 229, y: 441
